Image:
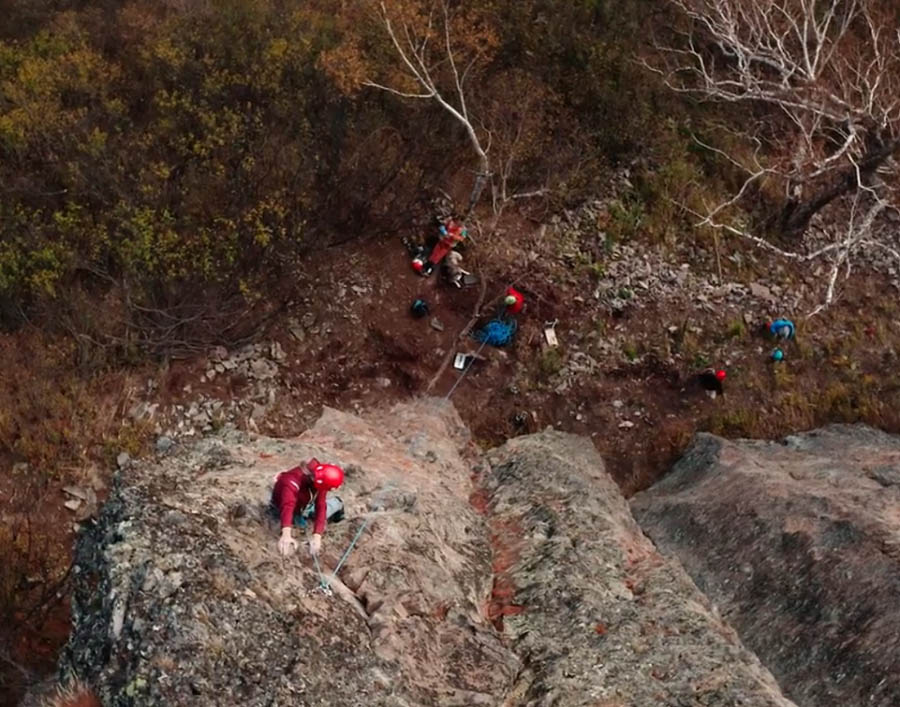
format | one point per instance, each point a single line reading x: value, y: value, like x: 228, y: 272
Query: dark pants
x: 334, y: 512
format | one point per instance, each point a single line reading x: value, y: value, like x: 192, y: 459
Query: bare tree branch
x: 402, y: 94
x: 414, y: 58
x: 831, y: 70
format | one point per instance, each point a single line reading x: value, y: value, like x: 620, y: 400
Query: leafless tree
x: 822, y: 78
x: 413, y: 35
x: 517, y: 110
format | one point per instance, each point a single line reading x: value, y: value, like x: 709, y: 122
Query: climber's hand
x: 286, y: 544
x: 315, y: 544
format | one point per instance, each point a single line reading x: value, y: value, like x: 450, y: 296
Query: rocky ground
x: 634, y: 322
x: 634, y: 318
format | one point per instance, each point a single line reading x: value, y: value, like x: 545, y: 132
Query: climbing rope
x: 463, y: 374
x: 497, y: 332
x: 326, y: 582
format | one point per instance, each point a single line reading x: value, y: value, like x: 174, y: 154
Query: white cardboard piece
x: 550, y: 336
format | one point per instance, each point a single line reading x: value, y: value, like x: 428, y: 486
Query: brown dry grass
x: 843, y: 370
x: 56, y: 423
x: 75, y: 694
x: 54, y: 416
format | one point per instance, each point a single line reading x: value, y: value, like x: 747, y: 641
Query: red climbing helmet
x: 418, y: 265
x: 720, y: 375
x: 327, y: 476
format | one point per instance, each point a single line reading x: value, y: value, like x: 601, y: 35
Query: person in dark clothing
x: 711, y: 380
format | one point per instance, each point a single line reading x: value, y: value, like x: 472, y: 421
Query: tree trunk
x: 478, y: 187
x: 796, y: 214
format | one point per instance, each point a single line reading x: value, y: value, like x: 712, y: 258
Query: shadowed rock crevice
x: 796, y: 543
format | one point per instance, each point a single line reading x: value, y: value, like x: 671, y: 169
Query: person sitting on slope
x: 454, y: 269
x: 711, y: 381
x: 781, y: 329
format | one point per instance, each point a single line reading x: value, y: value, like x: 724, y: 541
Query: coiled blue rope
x: 497, y: 332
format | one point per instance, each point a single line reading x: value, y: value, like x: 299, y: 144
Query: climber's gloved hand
x: 286, y: 543
x: 315, y: 544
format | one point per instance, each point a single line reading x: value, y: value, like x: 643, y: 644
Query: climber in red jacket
x: 298, y: 488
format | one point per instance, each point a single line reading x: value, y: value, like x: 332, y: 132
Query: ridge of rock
x: 180, y: 570
x: 797, y: 544
x: 596, y: 614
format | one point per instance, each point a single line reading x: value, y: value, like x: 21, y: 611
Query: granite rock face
x: 183, y: 600
x: 595, y: 613
x: 798, y: 544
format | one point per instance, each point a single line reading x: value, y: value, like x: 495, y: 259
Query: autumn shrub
x: 168, y: 158
x: 172, y: 157
x: 182, y: 157
x: 55, y: 422
x: 550, y: 362
x: 34, y: 571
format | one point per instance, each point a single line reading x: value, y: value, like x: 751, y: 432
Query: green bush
x: 165, y: 162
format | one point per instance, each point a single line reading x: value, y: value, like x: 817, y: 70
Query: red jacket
x: 293, y: 491
x: 520, y: 301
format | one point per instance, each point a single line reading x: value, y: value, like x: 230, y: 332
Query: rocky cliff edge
x: 518, y: 581
x: 798, y: 543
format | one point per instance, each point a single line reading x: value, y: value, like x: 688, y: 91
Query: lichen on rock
x: 603, y: 618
